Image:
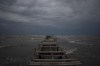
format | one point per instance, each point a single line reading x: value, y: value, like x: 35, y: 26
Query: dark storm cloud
x: 64, y: 14
x: 49, y: 12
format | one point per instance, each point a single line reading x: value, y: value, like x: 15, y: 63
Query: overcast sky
x: 61, y: 17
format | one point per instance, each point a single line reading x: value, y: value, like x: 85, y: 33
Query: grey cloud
x: 50, y: 12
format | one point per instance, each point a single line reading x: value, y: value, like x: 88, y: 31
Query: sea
x: 17, y: 50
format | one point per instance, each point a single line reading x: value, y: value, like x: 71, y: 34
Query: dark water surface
x: 84, y: 48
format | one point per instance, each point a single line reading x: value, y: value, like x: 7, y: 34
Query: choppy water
x: 86, y: 51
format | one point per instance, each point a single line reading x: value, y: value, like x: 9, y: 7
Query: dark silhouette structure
x: 50, y: 54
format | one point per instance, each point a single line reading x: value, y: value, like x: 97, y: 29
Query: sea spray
x: 70, y: 51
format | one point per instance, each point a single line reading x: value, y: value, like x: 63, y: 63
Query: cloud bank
x: 49, y: 12
x: 50, y: 17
